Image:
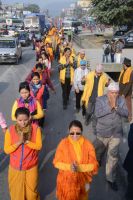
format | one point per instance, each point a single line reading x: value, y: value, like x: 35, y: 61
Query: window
x: 7, y: 44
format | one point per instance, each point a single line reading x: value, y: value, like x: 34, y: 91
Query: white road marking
x: 51, y: 196
x: 46, y: 159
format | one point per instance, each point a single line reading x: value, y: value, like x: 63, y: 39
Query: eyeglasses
x: 75, y: 133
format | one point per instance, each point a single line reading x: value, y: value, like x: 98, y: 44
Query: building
x: 84, y: 3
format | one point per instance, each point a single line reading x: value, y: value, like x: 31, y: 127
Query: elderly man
x: 80, y: 57
x: 109, y: 110
x: 125, y: 84
x: 95, y: 84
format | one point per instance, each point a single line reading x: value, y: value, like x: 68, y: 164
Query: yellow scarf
x: 127, y: 74
x: 89, y: 86
x: 77, y: 145
x: 63, y: 71
x: 26, y: 131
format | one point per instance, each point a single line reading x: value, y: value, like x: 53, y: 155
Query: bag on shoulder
x: 107, y: 50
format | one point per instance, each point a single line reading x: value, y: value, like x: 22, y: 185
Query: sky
x: 54, y: 6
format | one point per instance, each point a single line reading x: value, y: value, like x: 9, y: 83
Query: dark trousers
x: 69, y: 38
x: 128, y: 100
x: 90, y: 110
x: 90, y: 116
x: 78, y: 99
x: 105, y: 58
x: 66, y: 88
x: 112, y: 57
x: 33, y: 46
x: 129, y: 192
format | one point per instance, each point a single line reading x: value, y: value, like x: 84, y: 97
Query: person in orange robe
x: 76, y: 160
x: 23, y: 142
x: 49, y: 50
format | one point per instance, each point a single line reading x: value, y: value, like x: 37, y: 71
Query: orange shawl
x: 71, y: 185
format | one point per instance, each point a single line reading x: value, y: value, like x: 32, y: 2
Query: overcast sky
x: 54, y: 6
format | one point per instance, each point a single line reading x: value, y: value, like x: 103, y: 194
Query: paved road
x: 56, y: 127
x: 10, y: 77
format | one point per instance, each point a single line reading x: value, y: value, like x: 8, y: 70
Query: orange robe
x: 71, y: 185
x: 50, y: 51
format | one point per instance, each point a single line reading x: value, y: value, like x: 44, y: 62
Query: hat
x: 113, y: 86
x: 83, y: 63
x: 82, y: 51
x: 127, y: 62
x: 99, y: 68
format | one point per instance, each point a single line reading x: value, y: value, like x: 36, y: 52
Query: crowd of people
x: 112, y: 51
x: 76, y: 158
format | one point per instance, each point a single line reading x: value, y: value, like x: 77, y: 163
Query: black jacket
x: 128, y: 163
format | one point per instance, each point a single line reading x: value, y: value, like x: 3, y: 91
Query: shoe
x: 64, y: 107
x: 87, y: 121
x: 113, y: 185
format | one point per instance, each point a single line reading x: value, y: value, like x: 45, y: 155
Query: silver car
x: 10, y: 50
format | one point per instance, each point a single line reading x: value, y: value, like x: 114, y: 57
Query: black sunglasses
x: 75, y: 133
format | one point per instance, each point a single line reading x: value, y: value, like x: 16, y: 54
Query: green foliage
x: 113, y: 12
x: 34, y: 8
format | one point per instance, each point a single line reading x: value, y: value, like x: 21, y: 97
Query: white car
x: 10, y: 50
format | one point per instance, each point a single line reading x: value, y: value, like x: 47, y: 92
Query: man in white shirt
x: 79, y: 82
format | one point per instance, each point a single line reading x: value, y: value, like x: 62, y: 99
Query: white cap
x: 99, y: 68
x: 65, y: 43
x: 113, y: 86
x: 82, y: 51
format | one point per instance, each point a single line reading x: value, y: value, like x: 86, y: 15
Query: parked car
x: 128, y: 39
x: 10, y: 50
x: 24, y: 39
x: 118, y: 35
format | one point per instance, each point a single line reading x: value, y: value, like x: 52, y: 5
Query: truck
x: 70, y: 25
x: 16, y: 22
x: 34, y: 22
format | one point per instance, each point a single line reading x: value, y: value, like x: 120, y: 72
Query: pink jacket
x: 2, y: 121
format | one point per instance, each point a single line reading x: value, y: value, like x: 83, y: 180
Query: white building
x: 84, y: 3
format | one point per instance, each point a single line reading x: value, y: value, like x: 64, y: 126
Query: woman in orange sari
x: 76, y: 160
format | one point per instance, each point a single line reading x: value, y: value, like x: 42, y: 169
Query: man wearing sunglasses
x: 76, y: 161
x: 109, y: 111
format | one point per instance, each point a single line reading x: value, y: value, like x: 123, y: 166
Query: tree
x: 113, y: 12
x: 34, y: 8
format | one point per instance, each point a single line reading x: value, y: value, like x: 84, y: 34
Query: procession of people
x: 102, y: 102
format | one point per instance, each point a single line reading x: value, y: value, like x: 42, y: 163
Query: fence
x: 77, y: 39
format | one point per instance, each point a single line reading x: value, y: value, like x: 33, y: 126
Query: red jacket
x: 23, y: 158
x: 45, y: 79
x: 39, y: 95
